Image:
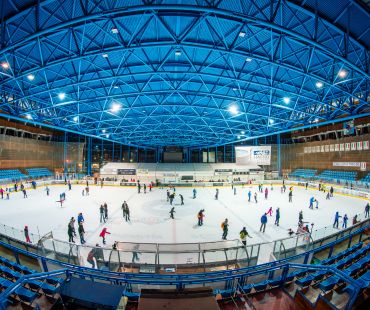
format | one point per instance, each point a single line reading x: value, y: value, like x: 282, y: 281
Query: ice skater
x: 71, y: 230
x: 172, y: 197
x: 336, y: 220
x: 277, y: 217
x: 216, y: 195
x: 345, y: 220
x: 168, y: 195
x: 263, y: 222
x: 200, y: 217
x: 234, y: 191
x: 290, y: 196
x: 249, y: 196
x: 300, y: 217
x: 194, y: 193
x: 367, y: 210
x: 172, y: 211
x: 312, y: 200
x: 81, y: 232
x: 269, y: 211
x: 328, y: 196
x: 255, y: 197
x: 225, y: 228
x: 138, y: 187
x: 26, y: 234
x: 144, y: 188
x: 266, y: 193
x: 331, y: 191
x: 102, y: 217
x: 69, y: 185
x: 103, y: 233
x: 80, y: 218
x: 105, y: 212
x: 47, y: 190
x: 24, y: 193
x: 243, y: 236
x: 182, y: 199
x: 317, y: 203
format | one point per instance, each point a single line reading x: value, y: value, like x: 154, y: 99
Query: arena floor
x: 150, y: 221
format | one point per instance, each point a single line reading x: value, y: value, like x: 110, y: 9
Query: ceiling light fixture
x: 61, y: 96
x: 233, y: 109
x: 30, y: 77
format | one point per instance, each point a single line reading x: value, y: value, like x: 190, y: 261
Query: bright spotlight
x: 248, y: 59
x: 242, y: 34
x: 30, y: 77
x: 103, y: 131
x: 115, y: 107
x: 178, y: 53
x: 233, y: 109
x: 5, y: 65
x: 75, y: 119
x: 238, y: 137
x: 271, y: 121
x: 342, y: 73
x: 242, y: 132
x: 61, y: 96
x: 29, y: 116
x: 319, y: 84
x: 286, y: 100
x: 105, y: 55
x: 114, y: 30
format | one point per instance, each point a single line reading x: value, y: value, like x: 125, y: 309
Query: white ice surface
x: 150, y: 220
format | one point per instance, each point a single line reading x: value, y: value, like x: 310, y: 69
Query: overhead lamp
x: 271, y: 121
x: 75, y: 119
x: 115, y: 87
x: 238, y: 137
x: 61, y: 96
x: 286, y: 100
x: 115, y: 107
x: 242, y: 132
x: 242, y: 34
x: 103, y: 131
x: 107, y: 135
x: 29, y: 116
x: 5, y: 65
x: 233, y: 109
x: 319, y: 84
x: 114, y: 30
x: 234, y: 89
x: 248, y: 59
x: 342, y: 73
x: 105, y: 55
x: 30, y: 77
x: 178, y: 53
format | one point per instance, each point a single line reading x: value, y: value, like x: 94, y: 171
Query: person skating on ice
x: 263, y: 222
x: 102, y: 217
x: 244, y: 235
x: 26, y: 234
x: 200, y: 217
x: 277, y: 217
x: 249, y: 196
x: 194, y: 193
x: 312, y: 200
x: 225, y: 228
x: 182, y: 199
x: 168, y: 195
x: 290, y: 196
x: 172, y: 197
x: 266, y: 193
x: 103, y: 233
x: 336, y: 220
x: 328, y: 196
x: 269, y: 212
x: 71, y: 230
x: 216, y: 194
x: 255, y: 197
x: 80, y: 218
x: 172, y: 211
x: 144, y: 188
x: 331, y: 191
x: 300, y: 217
x: 127, y: 212
x: 234, y: 191
x: 105, y: 212
x: 345, y: 220
x: 367, y: 210
x: 81, y: 232
x: 47, y: 190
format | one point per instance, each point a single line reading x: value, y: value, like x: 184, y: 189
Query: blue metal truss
x: 156, y: 73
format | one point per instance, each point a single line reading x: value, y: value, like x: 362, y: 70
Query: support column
x: 102, y: 152
x: 65, y: 149
x: 137, y: 154
x: 129, y: 154
x: 113, y: 151
x: 225, y: 153
x: 120, y: 153
x: 89, y: 146
x: 232, y: 153
x: 207, y: 155
x: 279, y: 155
x: 216, y: 159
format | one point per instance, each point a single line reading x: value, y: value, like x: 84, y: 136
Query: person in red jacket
x: 103, y: 233
x: 26, y: 234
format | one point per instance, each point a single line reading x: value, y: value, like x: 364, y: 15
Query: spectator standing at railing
x: 354, y: 220
x: 26, y: 234
x: 243, y: 236
x: 367, y: 210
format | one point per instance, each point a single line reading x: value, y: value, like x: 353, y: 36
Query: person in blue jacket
x: 263, y: 222
x: 249, y: 196
x: 312, y: 200
x: 277, y: 216
x: 336, y: 220
x: 345, y: 219
x: 80, y: 218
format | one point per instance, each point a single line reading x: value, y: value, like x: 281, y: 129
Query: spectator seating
x: 12, y: 174
x: 366, y: 179
x: 304, y: 173
x: 38, y: 172
x: 333, y: 175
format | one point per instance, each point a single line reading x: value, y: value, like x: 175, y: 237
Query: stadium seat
x: 25, y: 294
x: 329, y: 283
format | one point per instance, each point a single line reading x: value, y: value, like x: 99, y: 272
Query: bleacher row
x: 31, y: 291
x: 328, y: 175
x: 354, y: 262
x: 16, y: 174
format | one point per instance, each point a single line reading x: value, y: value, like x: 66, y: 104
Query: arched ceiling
x: 190, y: 73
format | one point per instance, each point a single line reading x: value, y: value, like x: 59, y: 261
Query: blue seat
x: 328, y: 261
x: 9, y: 273
x: 247, y: 288
x: 329, y: 283
x: 46, y: 288
x: 260, y: 285
x: 5, y: 283
x: 352, y: 270
x: 224, y: 293
x: 54, y: 280
x: 305, y: 281
x: 25, y: 294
